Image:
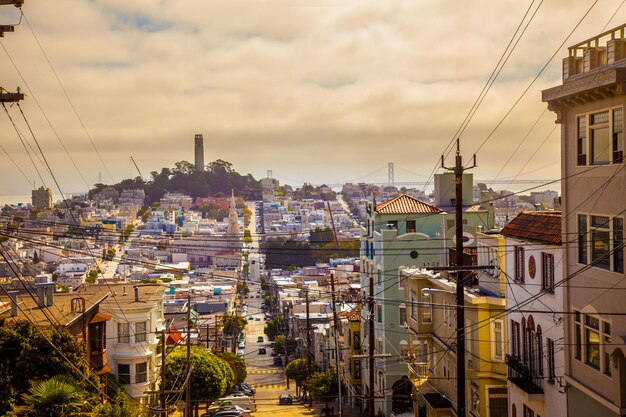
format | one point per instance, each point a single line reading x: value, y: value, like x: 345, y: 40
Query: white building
x: 133, y: 332
x: 534, y: 298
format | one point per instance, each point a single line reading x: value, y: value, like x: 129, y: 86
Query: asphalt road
x: 267, y: 378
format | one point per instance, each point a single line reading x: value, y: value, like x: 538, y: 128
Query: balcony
x: 418, y: 373
x: 524, y: 378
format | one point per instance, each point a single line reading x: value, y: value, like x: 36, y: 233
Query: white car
x: 240, y: 353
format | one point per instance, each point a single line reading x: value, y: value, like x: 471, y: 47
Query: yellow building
x: 352, y: 341
x: 431, y: 317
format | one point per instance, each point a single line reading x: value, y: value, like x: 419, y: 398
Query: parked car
x: 240, y: 353
x: 242, y: 401
x: 250, y: 317
x: 249, y: 387
x: 258, y: 319
x: 242, y: 344
x: 285, y: 399
x: 244, y: 388
x: 278, y: 360
x: 228, y: 413
x: 259, y: 339
x: 262, y: 351
x: 211, y: 413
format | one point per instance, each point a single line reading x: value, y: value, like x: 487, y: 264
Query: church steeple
x: 233, y: 218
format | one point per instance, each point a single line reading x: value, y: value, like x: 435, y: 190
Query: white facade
x: 133, y: 333
x: 535, y: 339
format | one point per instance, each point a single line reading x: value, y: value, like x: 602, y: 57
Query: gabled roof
x: 542, y: 226
x: 404, y: 204
x: 354, y: 314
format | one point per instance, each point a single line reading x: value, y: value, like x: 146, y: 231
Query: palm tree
x: 58, y: 396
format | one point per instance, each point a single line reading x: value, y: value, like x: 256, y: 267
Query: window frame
x: 411, y: 229
x: 586, y: 129
x: 141, y: 335
x: 123, y: 335
x: 494, y: 342
x: 139, y: 380
x: 402, y: 320
x: 582, y: 336
x: 124, y: 380
x: 613, y: 228
x: 427, y: 308
x: 520, y: 267
x: 547, y: 272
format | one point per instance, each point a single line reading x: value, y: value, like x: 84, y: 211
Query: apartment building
x: 589, y: 106
x: 431, y: 319
x: 534, y: 297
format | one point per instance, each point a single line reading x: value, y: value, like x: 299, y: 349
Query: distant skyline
x: 315, y: 91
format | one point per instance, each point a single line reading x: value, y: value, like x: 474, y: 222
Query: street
x: 267, y: 378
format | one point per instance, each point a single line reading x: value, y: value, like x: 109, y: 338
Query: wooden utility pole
x: 309, y: 344
x: 216, y: 345
x: 458, y: 170
x: 335, y: 319
x: 188, y: 390
x: 371, y: 346
x: 163, y: 351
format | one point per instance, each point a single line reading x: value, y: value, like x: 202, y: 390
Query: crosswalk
x: 268, y: 386
x: 263, y: 371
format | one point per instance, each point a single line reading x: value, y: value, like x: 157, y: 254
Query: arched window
x: 539, y: 338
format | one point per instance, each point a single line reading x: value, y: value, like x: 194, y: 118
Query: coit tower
x: 199, y: 150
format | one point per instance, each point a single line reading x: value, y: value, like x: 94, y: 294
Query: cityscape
x: 178, y: 283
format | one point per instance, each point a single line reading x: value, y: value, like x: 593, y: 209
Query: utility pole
x: 309, y: 344
x: 371, y: 400
x: 458, y: 170
x: 163, y: 351
x: 188, y: 391
x: 335, y: 319
x: 216, y: 348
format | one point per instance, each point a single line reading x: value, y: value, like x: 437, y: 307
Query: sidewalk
x: 347, y: 411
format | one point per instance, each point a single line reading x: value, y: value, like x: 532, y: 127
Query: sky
x: 319, y: 91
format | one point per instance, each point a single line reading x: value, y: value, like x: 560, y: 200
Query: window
x: 497, y: 337
x: 140, y: 331
x: 599, y: 146
x: 498, y: 401
x: 475, y: 399
x: 357, y: 369
x: 547, y: 275
x: 392, y: 224
x: 581, y: 144
x: 601, y: 239
x: 519, y: 264
x: 606, y: 139
x: 550, y: 360
x: 600, y: 242
x: 123, y: 373
x: 515, y: 339
x: 379, y: 313
x: 582, y: 239
x: 446, y: 366
x: 413, y: 305
x: 446, y: 313
x: 427, y: 309
x: 592, y: 336
x: 357, y: 340
x: 141, y: 372
x: 528, y: 412
x: 379, y: 277
x: 402, y: 315
x: 618, y: 136
x: 123, y: 333
x: 97, y: 336
x: 410, y: 226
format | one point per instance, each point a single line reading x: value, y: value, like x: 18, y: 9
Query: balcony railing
x: 418, y: 373
x: 522, y: 376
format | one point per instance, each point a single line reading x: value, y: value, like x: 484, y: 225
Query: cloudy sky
x: 322, y: 91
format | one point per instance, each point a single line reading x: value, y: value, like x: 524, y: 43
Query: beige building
x: 589, y: 106
x: 42, y: 198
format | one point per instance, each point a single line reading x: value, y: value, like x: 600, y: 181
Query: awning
x: 100, y: 317
x: 104, y: 370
